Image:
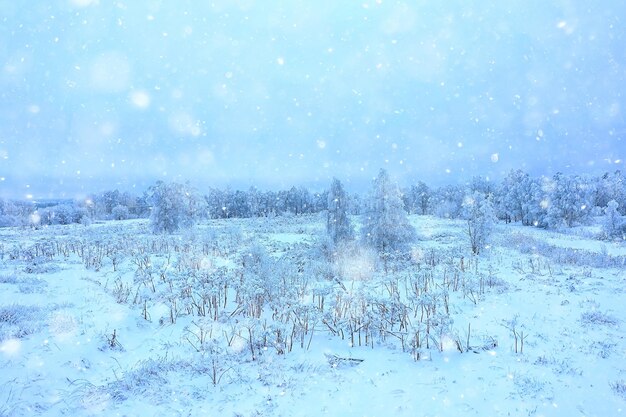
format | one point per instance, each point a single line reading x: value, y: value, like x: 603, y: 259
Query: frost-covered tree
x: 14, y: 213
x: 101, y: 205
x: 320, y: 202
x: 297, y: 200
x: 481, y: 184
x: 422, y: 194
x: 416, y: 198
x: 355, y: 204
x: 120, y: 213
x: 570, y: 201
x: 512, y: 197
x: 447, y: 201
x: 62, y: 214
x: 6, y: 207
x: 385, y: 224
x: 536, y: 203
x: 338, y: 224
x: 240, y: 206
x: 480, y: 215
x: 611, y: 186
x: 613, y: 224
x: 174, y: 206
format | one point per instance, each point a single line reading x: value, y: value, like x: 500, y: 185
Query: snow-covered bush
x: 255, y: 284
x: 31, y: 285
x: 9, y: 279
x: 146, y: 378
x: 18, y: 320
x: 595, y: 317
x: 41, y: 265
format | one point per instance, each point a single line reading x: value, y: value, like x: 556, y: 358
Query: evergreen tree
x: 385, y: 225
x: 338, y: 224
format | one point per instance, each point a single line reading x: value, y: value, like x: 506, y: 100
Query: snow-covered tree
x: 416, y: 198
x: 423, y: 194
x: 480, y: 215
x: 613, y: 224
x: 481, y: 184
x: 174, y: 206
x: 298, y: 200
x: 611, y: 186
x: 385, y: 224
x: 14, y: 213
x: 355, y: 204
x: 338, y: 224
x: 536, y: 203
x: 320, y: 201
x: 512, y: 197
x: 101, y: 205
x: 120, y: 213
x: 447, y: 201
x: 63, y: 214
x: 570, y: 201
x: 240, y: 206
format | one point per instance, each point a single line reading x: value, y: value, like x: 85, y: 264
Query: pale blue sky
x: 110, y: 94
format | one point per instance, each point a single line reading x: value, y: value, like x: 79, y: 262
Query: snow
x: 59, y: 355
x: 573, y: 241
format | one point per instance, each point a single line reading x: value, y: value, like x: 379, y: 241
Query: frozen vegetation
x: 320, y: 311
x: 143, y: 273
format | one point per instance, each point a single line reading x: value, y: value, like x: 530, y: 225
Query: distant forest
x: 547, y: 202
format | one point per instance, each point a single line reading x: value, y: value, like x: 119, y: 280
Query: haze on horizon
x: 99, y: 95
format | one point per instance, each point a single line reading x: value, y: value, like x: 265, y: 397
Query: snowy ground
x: 72, y: 344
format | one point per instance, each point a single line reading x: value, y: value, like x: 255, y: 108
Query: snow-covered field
x: 110, y: 320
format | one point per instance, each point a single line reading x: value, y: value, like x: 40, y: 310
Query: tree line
x: 548, y: 202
